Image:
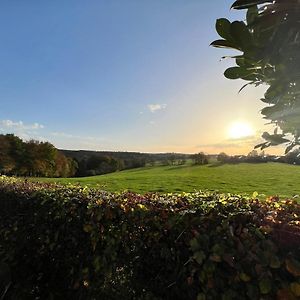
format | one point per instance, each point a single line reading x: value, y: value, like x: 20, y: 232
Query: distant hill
x: 101, y: 162
x: 81, y: 154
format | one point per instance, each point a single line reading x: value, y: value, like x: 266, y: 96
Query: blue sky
x: 120, y: 75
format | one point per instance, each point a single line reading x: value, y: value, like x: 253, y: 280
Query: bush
x: 78, y: 243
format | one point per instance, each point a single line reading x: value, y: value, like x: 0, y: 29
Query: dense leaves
x: 200, y: 158
x: 33, y: 158
x: 77, y: 243
x: 269, y: 40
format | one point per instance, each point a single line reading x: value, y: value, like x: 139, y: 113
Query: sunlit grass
x: 267, y: 179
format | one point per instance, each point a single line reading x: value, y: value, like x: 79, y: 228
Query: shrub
x: 73, y: 242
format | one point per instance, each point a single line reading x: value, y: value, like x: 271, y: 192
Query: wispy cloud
x: 63, y: 135
x: 72, y: 136
x: 64, y: 140
x: 239, y: 143
x: 19, y: 125
x: 155, y: 107
x: 36, y: 131
x: 21, y: 129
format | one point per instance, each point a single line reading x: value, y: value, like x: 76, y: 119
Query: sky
x: 122, y: 75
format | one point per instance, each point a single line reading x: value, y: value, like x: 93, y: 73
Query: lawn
x: 267, y: 179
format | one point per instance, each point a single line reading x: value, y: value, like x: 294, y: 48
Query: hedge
x: 78, y: 243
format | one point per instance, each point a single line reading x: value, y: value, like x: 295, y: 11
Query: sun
x: 240, y: 129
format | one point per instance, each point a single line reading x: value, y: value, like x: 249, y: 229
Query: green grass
x: 267, y: 179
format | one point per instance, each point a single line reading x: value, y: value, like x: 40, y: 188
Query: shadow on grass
x: 216, y: 165
x: 177, y: 167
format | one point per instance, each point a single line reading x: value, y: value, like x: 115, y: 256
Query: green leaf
x: 201, y: 296
x: 274, y: 139
x: 244, y: 86
x: 244, y: 277
x: 260, y: 145
x: 237, y: 72
x: 289, y: 148
x: 241, y: 35
x: 275, y: 262
x: 273, y: 93
x: 252, y: 14
x: 194, y: 244
x: 224, y: 44
x: 265, y: 286
x: 242, y: 4
x: 87, y: 227
x: 199, y: 256
x: 223, y: 28
x: 271, y: 112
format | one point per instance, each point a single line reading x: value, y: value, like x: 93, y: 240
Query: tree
x: 40, y: 158
x: 172, y: 158
x: 200, y: 158
x: 7, y: 163
x: 253, y: 153
x: 293, y: 157
x: 269, y: 42
x: 33, y: 158
x: 222, y: 157
x: 64, y: 166
x: 182, y: 161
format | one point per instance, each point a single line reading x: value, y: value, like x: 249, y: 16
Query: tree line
x: 33, y: 158
x: 293, y: 157
x: 90, y: 163
x: 41, y: 159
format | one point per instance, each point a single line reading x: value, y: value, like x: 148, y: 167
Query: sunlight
x: 240, y: 129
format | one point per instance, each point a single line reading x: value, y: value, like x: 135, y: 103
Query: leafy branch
x: 269, y: 42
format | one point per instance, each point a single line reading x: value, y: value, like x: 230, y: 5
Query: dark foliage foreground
x: 76, y: 243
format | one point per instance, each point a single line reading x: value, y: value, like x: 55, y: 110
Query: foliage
x: 77, y: 243
x: 293, y: 157
x: 33, y: 158
x: 269, y: 40
x: 42, y: 159
x: 200, y: 158
x: 92, y: 163
x: 222, y: 157
x: 110, y: 161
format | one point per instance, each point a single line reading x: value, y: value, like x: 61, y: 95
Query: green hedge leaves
x: 78, y: 243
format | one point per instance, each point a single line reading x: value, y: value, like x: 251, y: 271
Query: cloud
x: 63, y: 135
x: 19, y: 125
x: 21, y: 129
x: 242, y: 142
x: 72, y: 136
x: 155, y: 107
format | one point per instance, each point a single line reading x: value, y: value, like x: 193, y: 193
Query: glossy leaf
x: 242, y: 4
x: 237, y: 72
x: 223, y: 28
x: 224, y: 44
x: 265, y: 286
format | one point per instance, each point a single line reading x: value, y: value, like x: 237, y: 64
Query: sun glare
x: 240, y: 130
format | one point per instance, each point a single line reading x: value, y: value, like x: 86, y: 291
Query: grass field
x: 267, y: 179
